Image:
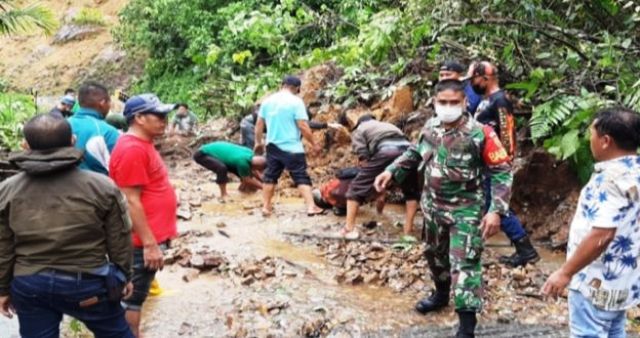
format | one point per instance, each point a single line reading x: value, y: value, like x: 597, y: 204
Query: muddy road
x: 308, y: 293
x: 233, y: 273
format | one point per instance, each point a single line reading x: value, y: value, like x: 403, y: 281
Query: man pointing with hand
x: 453, y: 151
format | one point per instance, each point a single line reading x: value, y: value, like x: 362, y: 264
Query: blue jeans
x: 587, y: 321
x: 40, y: 301
x: 509, y: 223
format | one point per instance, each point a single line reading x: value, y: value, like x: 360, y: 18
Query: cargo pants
x: 454, y: 249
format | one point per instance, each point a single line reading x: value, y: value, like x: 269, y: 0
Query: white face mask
x: 448, y: 114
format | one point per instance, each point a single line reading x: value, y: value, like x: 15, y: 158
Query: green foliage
x: 89, y: 16
x: 15, y: 109
x: 236, y: 51
x: 563, y: 123
x: 15, y: 19
x: 565, y: 59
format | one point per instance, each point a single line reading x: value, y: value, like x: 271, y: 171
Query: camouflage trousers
x: 454, y: 249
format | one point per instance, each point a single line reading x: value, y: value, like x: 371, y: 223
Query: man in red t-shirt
x: 137, y: 168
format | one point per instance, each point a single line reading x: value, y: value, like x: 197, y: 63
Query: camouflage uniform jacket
x: 454, y: 161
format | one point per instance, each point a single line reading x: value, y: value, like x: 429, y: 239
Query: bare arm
x: 153, y: 258
x: 308, y: 135
x: 259, y: 134
x: 252, y: 182
x: 591, y: 247
x: 305, y: 130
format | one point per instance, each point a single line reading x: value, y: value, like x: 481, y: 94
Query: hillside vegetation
x: 565, y: 59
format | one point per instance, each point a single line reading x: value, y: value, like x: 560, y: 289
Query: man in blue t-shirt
x: 93, y: 135
x: 286, y: 120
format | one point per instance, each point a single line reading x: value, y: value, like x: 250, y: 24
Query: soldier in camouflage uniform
x: 453, y: 151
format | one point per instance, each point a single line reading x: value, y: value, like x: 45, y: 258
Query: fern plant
x: 632, y: 97
x: 563, y: 125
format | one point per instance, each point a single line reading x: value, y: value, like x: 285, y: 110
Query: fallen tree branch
x: 544, y: 30
x: 530, y: 295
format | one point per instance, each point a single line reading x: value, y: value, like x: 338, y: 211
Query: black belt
x: 68, y: 275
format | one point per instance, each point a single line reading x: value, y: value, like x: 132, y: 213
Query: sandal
x: 319, y: 213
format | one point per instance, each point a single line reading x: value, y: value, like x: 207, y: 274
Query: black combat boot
x: 467, y: 324
x: 438, y: 299
x: 525, y: 253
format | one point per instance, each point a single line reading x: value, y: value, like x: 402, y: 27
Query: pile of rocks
x: 262, y: 269
x: 375, y: 263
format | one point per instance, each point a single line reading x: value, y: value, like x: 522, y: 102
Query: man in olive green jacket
x: 64, y: 237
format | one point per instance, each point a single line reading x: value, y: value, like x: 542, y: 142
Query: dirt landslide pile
x: 542, y: 185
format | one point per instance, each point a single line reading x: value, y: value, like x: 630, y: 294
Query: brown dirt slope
x: 34, y: 61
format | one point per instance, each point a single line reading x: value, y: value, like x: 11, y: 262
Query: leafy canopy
x: 564, y: 59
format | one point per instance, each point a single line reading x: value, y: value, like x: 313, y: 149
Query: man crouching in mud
x: 454, y: 150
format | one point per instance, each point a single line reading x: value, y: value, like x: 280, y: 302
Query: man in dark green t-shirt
x: 224, y: 157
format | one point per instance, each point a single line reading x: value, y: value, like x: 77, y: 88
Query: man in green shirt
x: 224, y: 157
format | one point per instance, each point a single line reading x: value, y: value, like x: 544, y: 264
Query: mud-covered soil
x: 262, y: 279
x: 233, y: 273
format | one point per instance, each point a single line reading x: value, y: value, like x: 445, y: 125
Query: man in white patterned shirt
x: 602, y: 270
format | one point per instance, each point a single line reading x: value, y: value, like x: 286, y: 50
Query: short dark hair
x: 69, y: 91
x: 291, y: 80
x: 450, y: 84
x: 46, y: 131
x: 186, y: 106
x: 621, y: 124
x: 92, y: 92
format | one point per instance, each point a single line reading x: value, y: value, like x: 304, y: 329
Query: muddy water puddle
x: 216, y: 305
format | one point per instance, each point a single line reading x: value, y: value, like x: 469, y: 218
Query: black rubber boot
x: 525, y: 253
x: 467, y: 324
x: 438, y: 299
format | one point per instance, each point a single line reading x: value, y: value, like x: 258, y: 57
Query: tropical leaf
x: 550, y: 114
x: 632, y: 97
x: 24, y: 20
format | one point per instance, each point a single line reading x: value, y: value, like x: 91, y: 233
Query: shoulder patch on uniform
x: 493, y: 152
